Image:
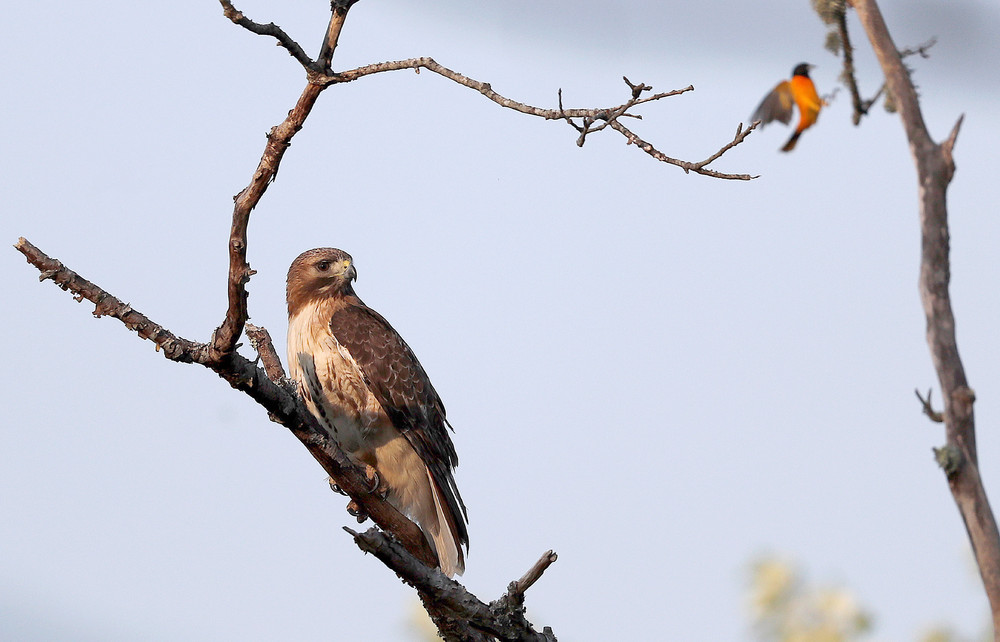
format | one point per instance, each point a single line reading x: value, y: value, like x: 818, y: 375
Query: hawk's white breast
x: 330, y: 381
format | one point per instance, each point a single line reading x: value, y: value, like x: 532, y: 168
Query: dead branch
x: 260, y: 341
x: 244, y: 375
x: 591, y: 120
x: 270, y: 29
x: 847, y: 75
x: 861, y: 107
x: 402, y: 546
x: 458, y: 614
x: 534, y: 573
x: 338, y: 15
x: 687, y: 166
x: 935, y: 169
x: 928, y: 408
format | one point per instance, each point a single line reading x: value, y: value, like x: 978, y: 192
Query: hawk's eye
x: 323, y: 266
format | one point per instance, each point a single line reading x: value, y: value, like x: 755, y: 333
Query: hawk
x: 365, y: 386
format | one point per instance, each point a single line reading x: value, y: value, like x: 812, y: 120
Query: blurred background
x: 691, y: 389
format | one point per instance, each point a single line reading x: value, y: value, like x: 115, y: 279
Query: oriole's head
x: 802, y: 69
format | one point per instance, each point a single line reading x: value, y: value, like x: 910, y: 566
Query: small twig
x: 948, y: 147
x: 260, y: 340
x: 611, y: 114
x: 269, y: 29
x: 928, y: 409
x: 920, y: 49
x: 867, y: 104
x: 534, y: 573
x: 697, y: 168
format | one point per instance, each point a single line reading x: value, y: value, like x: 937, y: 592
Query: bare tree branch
x: 278, y: 139
x: 687, y: 166
x: 602, y: 116
x: 338, y: 13
x: 534, y: 573
x: 283, y: 403
x: 269, y: 29
x: 402, y: 546
x: 860, y: 107
x: 458, y: 614
x: 260, y: 340
x: 935, y: 168
x: 484, y: 88
x: 928, y: 408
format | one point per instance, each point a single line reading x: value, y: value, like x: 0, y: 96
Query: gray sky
x: 660, y: 376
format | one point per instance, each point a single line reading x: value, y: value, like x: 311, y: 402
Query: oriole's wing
x: 777, y: 105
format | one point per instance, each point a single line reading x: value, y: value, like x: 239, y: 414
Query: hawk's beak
x: 352, y: 273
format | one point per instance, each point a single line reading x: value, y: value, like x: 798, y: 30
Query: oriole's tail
x: 790, y: 145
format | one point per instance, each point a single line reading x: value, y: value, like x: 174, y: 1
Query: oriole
x: 777, y: 105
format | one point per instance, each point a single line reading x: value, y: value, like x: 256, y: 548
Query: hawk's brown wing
x: 399, y: 382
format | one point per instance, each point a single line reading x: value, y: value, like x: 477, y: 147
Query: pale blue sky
x: 658, y: 375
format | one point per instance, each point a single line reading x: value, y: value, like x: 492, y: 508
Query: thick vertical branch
x: 278, y: 139
x: 935, y: 168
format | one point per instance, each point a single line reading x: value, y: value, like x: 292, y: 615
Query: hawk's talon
x: 334, y: 487
x: 357, y: 511
x: 375, y: 481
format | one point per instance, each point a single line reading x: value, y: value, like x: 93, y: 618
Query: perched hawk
x: 366, y: 387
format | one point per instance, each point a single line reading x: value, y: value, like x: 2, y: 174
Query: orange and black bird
x: 777, y: 105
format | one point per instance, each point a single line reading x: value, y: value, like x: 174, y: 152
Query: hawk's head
x: 317, y: 274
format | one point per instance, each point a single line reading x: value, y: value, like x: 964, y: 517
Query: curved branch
x: 687, y: 166
x: 485, y: 89
x: 224, y: 340
x: 935, y: 168
x: 270, y: 29
x: 592, y: 120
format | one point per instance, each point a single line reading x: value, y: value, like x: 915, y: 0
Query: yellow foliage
x: 785, y: 609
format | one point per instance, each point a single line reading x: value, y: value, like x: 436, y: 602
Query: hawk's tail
x: 415, y: 493
x: 443, y: 534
